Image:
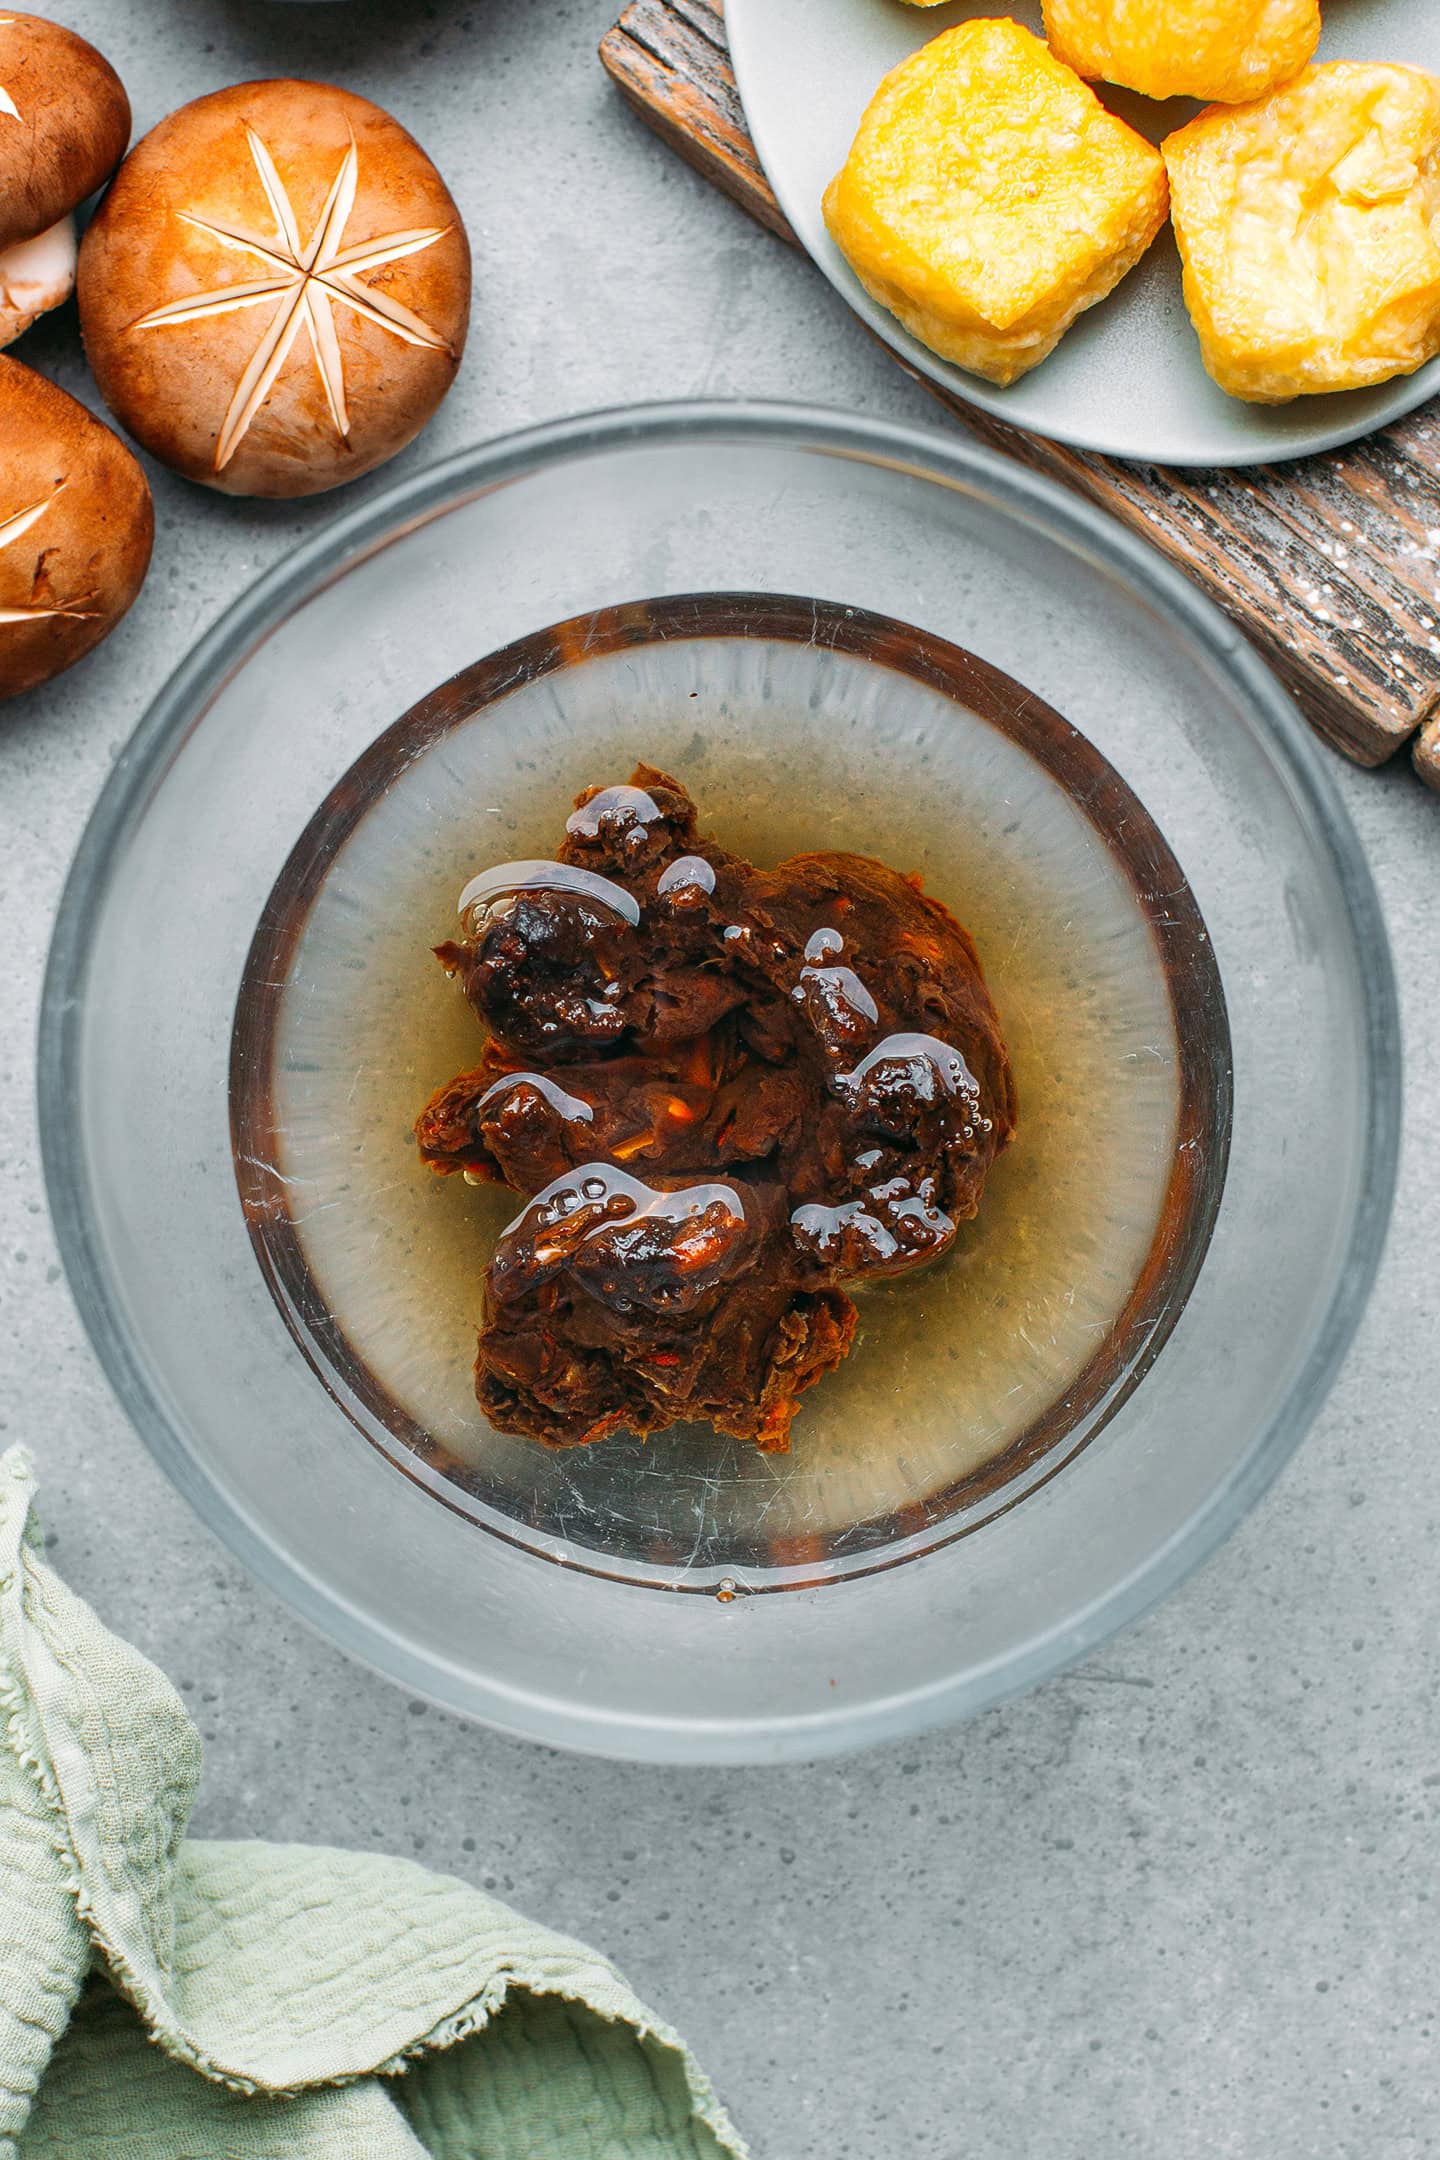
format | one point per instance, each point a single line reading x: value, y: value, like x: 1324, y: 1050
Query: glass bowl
x: 645, y: 580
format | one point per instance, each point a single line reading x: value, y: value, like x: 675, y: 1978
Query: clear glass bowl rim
x: 949, y: 461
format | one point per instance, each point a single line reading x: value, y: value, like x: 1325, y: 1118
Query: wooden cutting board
x: 1331, y: 564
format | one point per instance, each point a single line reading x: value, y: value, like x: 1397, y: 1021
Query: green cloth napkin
x: 163, y: 1999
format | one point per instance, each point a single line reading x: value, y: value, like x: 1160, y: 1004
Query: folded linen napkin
x: 165, y: 1999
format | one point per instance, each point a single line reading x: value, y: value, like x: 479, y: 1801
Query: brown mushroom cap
x: 275, y: 292
x: 76, y: 526
x: 64, y: 124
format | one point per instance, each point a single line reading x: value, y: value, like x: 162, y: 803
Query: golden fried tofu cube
x: 1309, y: 227
x: 989, y: 197
x: 1228, y: 50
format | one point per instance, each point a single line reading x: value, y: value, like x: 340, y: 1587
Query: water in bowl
x: 795, y: 725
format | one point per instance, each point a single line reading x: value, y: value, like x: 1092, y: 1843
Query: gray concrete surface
x: 1181, y: 1902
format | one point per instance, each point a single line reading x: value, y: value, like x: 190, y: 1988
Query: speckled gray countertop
x: 1184, y: 1901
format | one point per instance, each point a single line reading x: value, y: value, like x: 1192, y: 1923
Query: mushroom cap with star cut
x: 76, y: 528
x: 64, y: 123
x: 274, y: 294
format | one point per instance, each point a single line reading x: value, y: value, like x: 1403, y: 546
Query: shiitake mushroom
x: 64, y: 125
x: 275, y: 293
x: 76, y: 528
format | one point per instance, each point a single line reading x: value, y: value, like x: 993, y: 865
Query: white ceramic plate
x: 1128, y: 379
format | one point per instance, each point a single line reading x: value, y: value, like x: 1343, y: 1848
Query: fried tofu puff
x: 989, y: 198
x: 1309, y: 228
x: 1227, y: 50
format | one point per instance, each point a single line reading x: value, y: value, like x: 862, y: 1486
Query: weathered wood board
x: 1427, y: 753
x: 1331, y: 564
